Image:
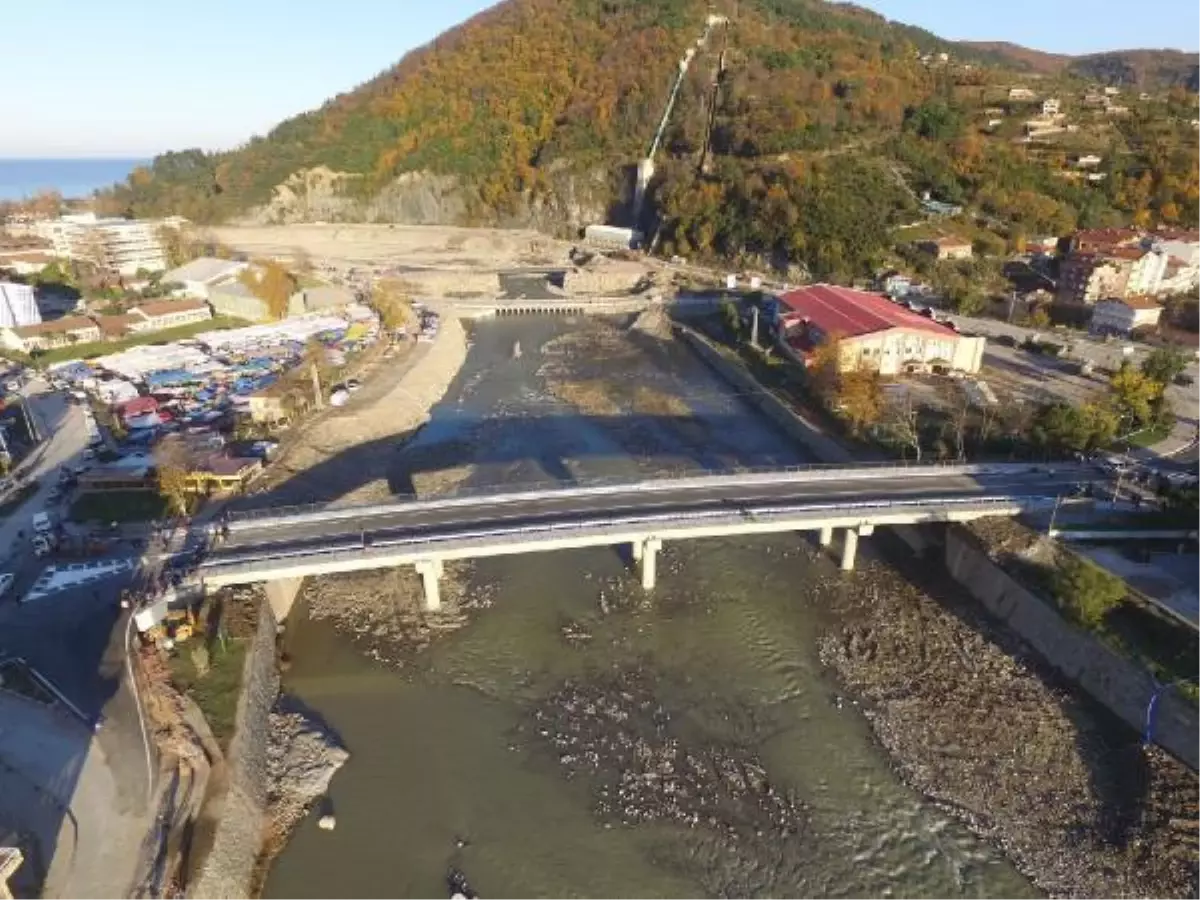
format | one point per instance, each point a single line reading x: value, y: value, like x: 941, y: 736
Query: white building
x: 1021, y: 93
x: 1122, y: 317
x: 18, y: 305
x: 122, y: 246
x: 199, y: 276
x: 1050, y: 106
x: 160, y: 314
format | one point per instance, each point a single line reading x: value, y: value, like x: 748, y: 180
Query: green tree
x: 1087, y: 592
x: 1162, y: 364
x: 1065, y: 428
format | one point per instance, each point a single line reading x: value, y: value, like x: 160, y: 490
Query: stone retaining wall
x: 229, y: 867
x: 1121, y: 685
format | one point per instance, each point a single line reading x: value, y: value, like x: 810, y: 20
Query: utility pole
x: 316, y: 380
x: 754, y: 327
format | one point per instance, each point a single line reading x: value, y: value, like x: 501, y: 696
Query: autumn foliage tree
x: 171, y: 467
x: 271, y: 283
x: 853, y: 392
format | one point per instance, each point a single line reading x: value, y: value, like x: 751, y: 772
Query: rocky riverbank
x: 383, y: 613
x: 303, y: 755
x: 977, y: 725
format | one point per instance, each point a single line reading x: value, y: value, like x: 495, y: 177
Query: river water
x: 453, y: 760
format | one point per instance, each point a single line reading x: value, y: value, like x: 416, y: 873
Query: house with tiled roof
x: 159, y: 314
x: 873, y: 333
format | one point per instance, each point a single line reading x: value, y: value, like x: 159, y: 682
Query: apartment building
x: 1122, y: 271
x: 18, y: 305
x: 1085, y: 278
x: 122, y: 246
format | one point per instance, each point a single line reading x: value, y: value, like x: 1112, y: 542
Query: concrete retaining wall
x: 1119, y: 684
x: 822, y: 447
x: 229, y: 867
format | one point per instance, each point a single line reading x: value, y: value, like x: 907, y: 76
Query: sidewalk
x: 1177, y: 443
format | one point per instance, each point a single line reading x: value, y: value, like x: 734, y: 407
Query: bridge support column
x: 849, y: 549
x: 826, y: 536
x: 636, y: 549
x: 430, y: 571
x: 648, y: 554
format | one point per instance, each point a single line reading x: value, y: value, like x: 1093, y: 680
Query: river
x: 470, y: 754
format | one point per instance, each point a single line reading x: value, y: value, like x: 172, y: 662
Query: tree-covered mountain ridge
x: 535, y: 111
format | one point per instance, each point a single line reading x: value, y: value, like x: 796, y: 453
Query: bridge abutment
x: 281, y: 594
x: 430, y: 571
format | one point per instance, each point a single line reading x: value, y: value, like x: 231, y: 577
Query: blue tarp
x: 170, y: 377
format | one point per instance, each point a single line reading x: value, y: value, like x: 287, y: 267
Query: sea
x: 73, y: 178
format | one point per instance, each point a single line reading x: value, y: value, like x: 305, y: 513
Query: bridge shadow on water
x: 511, y: 451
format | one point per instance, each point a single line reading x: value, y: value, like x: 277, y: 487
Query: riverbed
x: 573, y: 736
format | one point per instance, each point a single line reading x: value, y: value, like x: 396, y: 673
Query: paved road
x: 315, y: 533
x: 1107, y: 355
x: 65, y: 426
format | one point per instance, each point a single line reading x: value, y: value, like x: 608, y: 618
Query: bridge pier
x: 430, y: 571
x: 826, y: 536
x: 647, y: 552
x: 850, y: 545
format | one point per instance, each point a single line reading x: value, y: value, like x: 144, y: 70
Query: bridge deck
x: 392, y: 534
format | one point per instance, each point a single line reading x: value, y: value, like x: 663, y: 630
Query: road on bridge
x: 315, y: 533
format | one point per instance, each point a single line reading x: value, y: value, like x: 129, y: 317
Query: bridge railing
x: 533, y: 487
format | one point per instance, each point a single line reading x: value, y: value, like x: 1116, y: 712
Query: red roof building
x: 874, y: 332
x: 138, y: 406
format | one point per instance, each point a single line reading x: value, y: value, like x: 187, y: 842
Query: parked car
x: 6, y: 580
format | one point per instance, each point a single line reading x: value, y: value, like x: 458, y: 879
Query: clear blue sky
x: 135, y: 77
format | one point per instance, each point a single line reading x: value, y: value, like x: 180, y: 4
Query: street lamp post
x: 1054, y: 515
x: 1147, y: 736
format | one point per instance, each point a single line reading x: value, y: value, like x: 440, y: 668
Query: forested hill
x: 826, y: 123
x: 1147, y: 70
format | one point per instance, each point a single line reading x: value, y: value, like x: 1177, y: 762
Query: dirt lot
x: 419, y: 246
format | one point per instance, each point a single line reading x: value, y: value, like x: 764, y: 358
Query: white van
x: 42, y: 523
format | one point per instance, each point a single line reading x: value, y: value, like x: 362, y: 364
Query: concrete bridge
x: 282, y: 546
